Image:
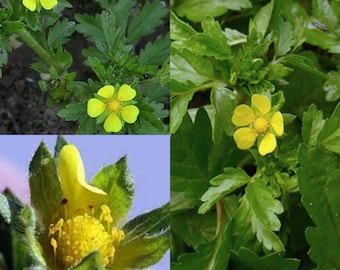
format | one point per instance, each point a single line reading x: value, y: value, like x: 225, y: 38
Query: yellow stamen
x: 261, y: 124
x: 114, y: 105
x: 54, y: 244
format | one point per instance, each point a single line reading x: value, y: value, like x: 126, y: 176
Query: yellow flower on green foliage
x: 114, y: 106
x: 257, y: 122
x: 33, y: 4
x: 86, y: 223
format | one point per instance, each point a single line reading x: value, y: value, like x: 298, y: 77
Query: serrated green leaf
x: 312, y: 124
x: 5, y: 211
x: 257, y: 215
x: 197, y: 10
x: 117, y: 182
x: 73, y: 111
x: 186, y: 66
x: 332, y: 86
x: 190, y: 149
x: 98, y: 68
x: 91, y: 261
x: 285, y: 37
x: 234, y: 37
x: 262, y: 18
x: 146, y: 240
x: 223, y: 185
x: 60, y: 33
x: 146, y: 21
x: 87, y: 126
x: 155, y: 53
x: 113, y: 35
x: 330, y: 134
x: 318, y: 184
x: 178, y: 108
x: 223, y: 100
x: 248, y: 260
x: 90, y: 26
x: 180, y: 30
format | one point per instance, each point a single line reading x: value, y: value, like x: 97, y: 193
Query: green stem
x: 38, y: 49
x: 220, y: 221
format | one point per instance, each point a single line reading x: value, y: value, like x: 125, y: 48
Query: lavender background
x: 148, y: 159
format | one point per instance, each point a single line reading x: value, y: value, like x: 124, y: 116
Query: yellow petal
x: 48, y: 4
x: 95, y: 107
x: 30, y: 4
x: 130, y: 113
x: 106, y: 91
x: 79, y: 196
x: 245, y: 137
x: 277, y: 123
x: 268, y: 144
x: 126, y: 93
x: 113, y: 123
x: 261, y: 102
x: 243, y: 116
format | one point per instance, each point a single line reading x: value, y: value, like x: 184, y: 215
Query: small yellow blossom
x: 33, y: 4
x: 86, y: 223
x: 259, y: 122
x: 116, y: 107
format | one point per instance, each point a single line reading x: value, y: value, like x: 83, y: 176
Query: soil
x: 23, y: 108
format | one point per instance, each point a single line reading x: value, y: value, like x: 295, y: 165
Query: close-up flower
x: 257, y: 122
x: 114, y: 106
x: 33, y: 4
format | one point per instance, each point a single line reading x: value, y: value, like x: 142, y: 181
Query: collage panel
x: 255, y: 134
x: 63, y: 196
x: 84, y: 67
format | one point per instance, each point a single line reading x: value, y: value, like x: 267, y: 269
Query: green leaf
x: 60, y: 33
x: 155, y: 53
x: 319, y: 185
x: 5, y: 211
x: 223, y: 100
x: 248, y: 260
x: 212, y: 256
x: 117, y: 182
x: 305, y: 62
x: 98, y: 68
x: 178, y: 108
x: 330, y: 134
x: 312, y: 124
x: 186, y: 66
x: 190, y: 149
x: 223, y: 185
x: 198, y: 10
x: 257, y: 215
x: 91, y: 261
x: 46, y: 193
x: 234, y: 37
x: 146, y: 21
x: 332, y: 86
x: 262, y: 18
x: 73, y: 111
x: 87, y: 126
x: 90, y: 26
x: 146, y: 240
x: 180, y: 30
x: 285, y: 37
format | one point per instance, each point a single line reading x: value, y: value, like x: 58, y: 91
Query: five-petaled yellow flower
x: 86, y: 224
x: 33, y: 4
x: 259, y: 122
x: 114, y: 106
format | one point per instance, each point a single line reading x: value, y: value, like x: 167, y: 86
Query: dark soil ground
x: 23, y: 108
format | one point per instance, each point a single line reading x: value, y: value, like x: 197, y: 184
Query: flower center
x: 77, y: 237
x: 261, y: 124
x: 114, y: 105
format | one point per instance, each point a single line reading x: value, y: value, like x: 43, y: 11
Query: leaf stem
x: 38, y: 49
x: 220, y: 220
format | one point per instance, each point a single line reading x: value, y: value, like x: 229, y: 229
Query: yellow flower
x: 46, y: 4
x: 86, y: 224
x: 116, y: 107
x: 257, y: 122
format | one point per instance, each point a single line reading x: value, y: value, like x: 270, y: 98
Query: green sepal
x: 91, y: 261
x: 146, y: 240
x: 117, y: 182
